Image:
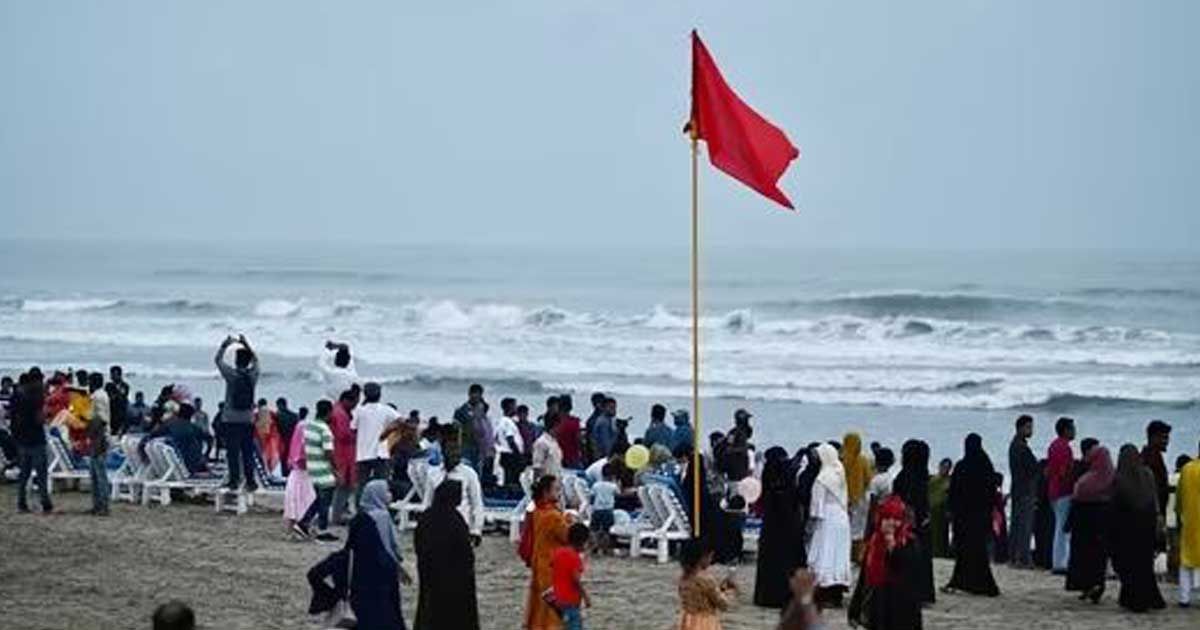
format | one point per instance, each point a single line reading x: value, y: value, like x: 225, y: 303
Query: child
x: 567, y: 568
x: 604, y: 500
x: 701, y: 597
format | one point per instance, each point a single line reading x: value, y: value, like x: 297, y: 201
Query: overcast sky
x: 922, y: 124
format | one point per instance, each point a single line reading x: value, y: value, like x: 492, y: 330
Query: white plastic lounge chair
x: 414, y: 501
x: 645, y: 520
x: 62, y: 465
x: 675, y: 527
x: 176, y: 476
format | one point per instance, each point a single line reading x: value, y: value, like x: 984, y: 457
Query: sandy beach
x: 69, y: 570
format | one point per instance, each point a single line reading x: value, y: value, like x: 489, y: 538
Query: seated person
x: 187, y: 438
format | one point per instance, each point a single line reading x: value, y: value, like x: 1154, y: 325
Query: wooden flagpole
x: 695, y: 335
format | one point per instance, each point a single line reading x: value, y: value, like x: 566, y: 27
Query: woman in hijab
x: 972, y: 489
x: 713, y: 521
x: 780, y: 536
x: 549, y: 532
x: 375, y: 560
x: 885, y: 597
x: 1135, y: 525
x: 829, y: 548
x: 445, y: 564
x: 808, y: 466
x: 939, y: 493
x: 1088, y: 523
x: 858, y: 477
x: 912, y: 486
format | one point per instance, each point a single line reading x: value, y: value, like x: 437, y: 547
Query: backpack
x: 241, y: 392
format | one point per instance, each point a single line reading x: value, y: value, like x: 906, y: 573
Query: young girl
x: 701, y: 597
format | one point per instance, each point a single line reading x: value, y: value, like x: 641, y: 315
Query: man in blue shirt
x: 658, y: 432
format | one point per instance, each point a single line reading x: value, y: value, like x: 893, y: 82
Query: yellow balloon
x: 637, y: 457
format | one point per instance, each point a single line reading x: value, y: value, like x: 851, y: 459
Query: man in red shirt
x: 566, y: 565
x: 569, y: 433
x: 1060, y: 483
x: 344, y: 447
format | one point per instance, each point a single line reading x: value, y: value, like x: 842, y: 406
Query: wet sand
x: 72, y: 571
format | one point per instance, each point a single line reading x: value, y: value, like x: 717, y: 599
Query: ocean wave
x: 279, y: 274
x: 1133, y: 292
x: 1069, y: 401
x: 66, y: 306
x: 964, y: 306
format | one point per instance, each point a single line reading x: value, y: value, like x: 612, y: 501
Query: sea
x: 891, y: 343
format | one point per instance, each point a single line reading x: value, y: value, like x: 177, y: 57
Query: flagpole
x: 695, y: 335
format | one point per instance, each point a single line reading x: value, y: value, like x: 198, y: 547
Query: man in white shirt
x: 509, y: 444
x: 547, y: 454
x: 452, y: 468
x: 369, y: 420
x: 337, y: 369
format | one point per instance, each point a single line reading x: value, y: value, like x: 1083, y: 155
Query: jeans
x: 367, y: 471
x: 319, y: 509
x: 572, y: 618
x: 1188, y: 579
x: 1062, y: 539
x: 341, y: 503
x: 1023, y: 508
x: 33, y: 459
x: 100, y: 486
x: 239, y: 453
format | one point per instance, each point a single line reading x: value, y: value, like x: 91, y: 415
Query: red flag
x: 740, y: 142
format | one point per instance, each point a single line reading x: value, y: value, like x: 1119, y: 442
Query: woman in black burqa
x: 912, y: 486
x: 1135, y: 525
x: 972, y: 494
x: 1089, y: 523
x: 445, y: 564
x: 781, y: 539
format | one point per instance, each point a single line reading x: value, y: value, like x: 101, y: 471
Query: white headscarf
x: 832, y: 475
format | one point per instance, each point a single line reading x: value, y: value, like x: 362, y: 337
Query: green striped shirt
x: 318, y: 443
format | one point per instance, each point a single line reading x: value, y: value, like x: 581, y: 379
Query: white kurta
x: 829, y: 548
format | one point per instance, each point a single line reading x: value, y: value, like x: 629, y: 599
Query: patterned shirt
x: 318, y: 444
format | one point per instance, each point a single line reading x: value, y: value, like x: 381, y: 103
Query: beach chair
x: 127, y: 480
x: 511, y: 513
x: 675, y: 527
x: 414, y: 501
x: 578, y: 498
x: 269, y: 485
x: 647, y: 519
x: 176, y: 476
x: 62, y: 466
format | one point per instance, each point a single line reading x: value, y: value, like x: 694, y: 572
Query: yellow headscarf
x: 858, y: 469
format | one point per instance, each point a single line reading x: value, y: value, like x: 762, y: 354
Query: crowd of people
x: 826, y: 509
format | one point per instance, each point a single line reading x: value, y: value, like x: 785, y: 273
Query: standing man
x: 591, y: 451
x: 1023, y: 470
x: 118, y: 399
x: 683, y: 434
x: 98, y: 430
x: 1188, y: 501
x: 569, y: 433
x: 29, y: 432
x: 604, y: 433
x: 237, y: 419
x: 1060, y: 483
x: 286, y: 421
x: 529, y: 432
x: 510, y: 444
x: 344, y: 457
x: 478, y: 438
x: 370, y: 451
x: 1158, y: 437
x: 337, y: 369
x: 471, y: 505
x: 657, y: 432
x: 547, y: 454
x: 204, y: 424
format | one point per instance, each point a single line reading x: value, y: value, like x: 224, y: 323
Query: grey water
x: 893, y: 343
